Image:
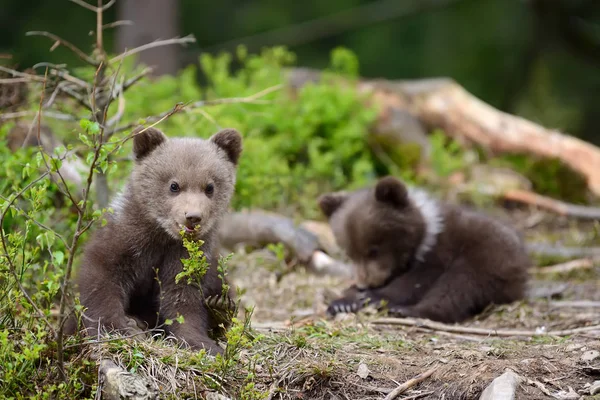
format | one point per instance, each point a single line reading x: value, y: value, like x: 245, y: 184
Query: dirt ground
x: 352, y: 357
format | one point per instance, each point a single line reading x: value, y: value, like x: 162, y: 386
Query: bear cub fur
x: 426, y: 259
x: 176, y: 184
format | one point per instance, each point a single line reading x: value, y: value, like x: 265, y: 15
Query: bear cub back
x: 424, y: 258
x: 127, y: 275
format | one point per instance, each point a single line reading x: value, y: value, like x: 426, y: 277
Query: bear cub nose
x: 193, y: 218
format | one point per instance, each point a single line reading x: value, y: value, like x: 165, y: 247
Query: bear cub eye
x: 210, y: 188
x: 372, y: 252
x: 174, y: 187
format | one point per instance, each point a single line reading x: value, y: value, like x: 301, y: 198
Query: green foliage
x: 447, y: 156
x: 314, y: 135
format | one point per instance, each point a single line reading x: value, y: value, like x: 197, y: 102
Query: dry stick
x: 557, y: 206
x: 583, y: 263
x: 157, y: 43
x: 576, y: 304
x: 410, y: 383
x: 437, y: 326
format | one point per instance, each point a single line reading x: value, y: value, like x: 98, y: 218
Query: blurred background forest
x: 536, y: 58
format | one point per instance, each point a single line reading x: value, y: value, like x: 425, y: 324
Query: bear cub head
x: 382, y: 229
x: 184, y: 183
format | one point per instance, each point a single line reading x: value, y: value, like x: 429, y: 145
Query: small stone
x: 363, y: 371
x: 216, y: 396
x: 574, y: 346
x: 595, y: 388
x: 590, y: 355
x: 503, y: 387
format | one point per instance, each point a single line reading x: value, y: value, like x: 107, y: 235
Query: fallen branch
x: 576, y: 304
x: 437, y: 326
x: 584, y: 263
x: 259, y: 228
x: 557, y: 206
x: 410, y: 383
x: 553, y: 250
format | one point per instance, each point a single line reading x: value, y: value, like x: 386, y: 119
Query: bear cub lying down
x: 176, y: 184
x: 424, y: 258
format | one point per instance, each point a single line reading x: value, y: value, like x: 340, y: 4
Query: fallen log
x: 259, y: 228
x: 556, y: 206
x: 442, y: 103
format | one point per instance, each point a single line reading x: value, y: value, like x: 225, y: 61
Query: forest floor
x: 355, y: 357
x: 300, y: 353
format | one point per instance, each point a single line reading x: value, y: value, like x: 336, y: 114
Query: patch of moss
x: 550, y: 177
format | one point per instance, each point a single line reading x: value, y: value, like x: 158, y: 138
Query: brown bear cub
x: 424, y: 258
x: 129, y: 266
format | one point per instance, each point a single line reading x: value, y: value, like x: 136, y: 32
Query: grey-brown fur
x: 141, y: 241
x: 425, y: 259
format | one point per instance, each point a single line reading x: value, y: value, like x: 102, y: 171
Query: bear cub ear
x: 230, y: 140
x: 392, y: 191
x: 145, y: 141
x: 330, y: 202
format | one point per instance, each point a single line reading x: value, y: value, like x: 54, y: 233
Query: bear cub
x: 424, y: 258
x: 177, y: 184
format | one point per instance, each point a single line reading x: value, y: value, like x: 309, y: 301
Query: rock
x: 216, y: 396
x: 503, y: 387
x: 121, y: 384
x: 595, y: 388
x: 590, y: 355
x: 363, y: 371
x: 574, y: 346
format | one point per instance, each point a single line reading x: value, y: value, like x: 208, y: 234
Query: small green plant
x: 447, y: 156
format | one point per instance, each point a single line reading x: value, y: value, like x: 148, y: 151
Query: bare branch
x: 108, y: 5
x: 51, y: 114
x: 99, y: 23
x: 117, y: 23
x: 21, y: 74
x: 65, y: 43
x: 45, y: 64
x: 85, y: 5
x: 157, y: 43
x: 15, y: 80
x: 132, y: 81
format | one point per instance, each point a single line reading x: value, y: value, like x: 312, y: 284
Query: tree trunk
x: 152, y: 20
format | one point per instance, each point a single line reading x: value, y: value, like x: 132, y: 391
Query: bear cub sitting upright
x: 424, y: 258
x: 176, y: 184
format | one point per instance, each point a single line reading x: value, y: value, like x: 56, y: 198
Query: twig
x: 410, y: 383
x: 157, y: 43
x: 21, y: 74
x: 132, y: 81
x: 576, y: 304
x: 557, y: 206
x: 51, y: 114
x: 117, y: 23
x: 583, y: 263
x: 416, y: 396
x: 15, y: 80
x: 65, y: 43
x: 554, y: 250
x: 437, y: 326
x: 94, y: 8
